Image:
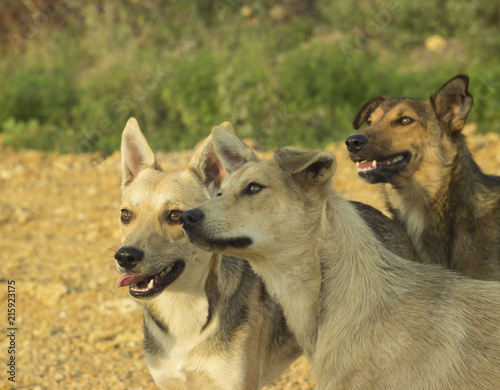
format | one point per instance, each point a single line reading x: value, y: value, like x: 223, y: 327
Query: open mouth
x: 375, y: 171
x: 146, y: 286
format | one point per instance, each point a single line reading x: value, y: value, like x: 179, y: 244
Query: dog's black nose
x: 127, y: 256
x: 355, y: 142
x: 191, y: 217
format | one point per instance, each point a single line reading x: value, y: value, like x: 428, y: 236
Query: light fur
x: 366, y: 318
x: 214, y: 327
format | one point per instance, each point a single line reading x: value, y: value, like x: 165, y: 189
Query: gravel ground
x: 58, y: 233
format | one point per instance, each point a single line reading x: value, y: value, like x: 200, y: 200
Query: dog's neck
x: 336, y: 263
x: 456, y: 190
x: 183, y: 327
x: 351, y: 256
x: 183, y: 313
x: 292, y: 275
x: 358, y: 284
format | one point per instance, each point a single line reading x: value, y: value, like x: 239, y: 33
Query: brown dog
x: 433, y: 187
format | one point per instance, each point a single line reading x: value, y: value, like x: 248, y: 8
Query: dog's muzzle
x: 192, y: 222
x: 145, y: 285
x: 375, y: 167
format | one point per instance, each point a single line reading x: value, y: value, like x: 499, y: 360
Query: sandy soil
x: 58, y: 234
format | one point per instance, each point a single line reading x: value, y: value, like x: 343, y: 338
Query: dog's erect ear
x: 136, y: 153
x: 365, y: 112
x: 228, y: 126
x: 309, y: 169
x: 232, y: 152
x: 453, y: 103
x: 207, y: 165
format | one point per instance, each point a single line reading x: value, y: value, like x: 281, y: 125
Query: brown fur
x: 449, y: 208
x: 214, y: 327
x: 366, y: 318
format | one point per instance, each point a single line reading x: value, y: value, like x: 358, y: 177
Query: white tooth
x: 151, y: 284
x: 374, y: 164
x: 357, y: 163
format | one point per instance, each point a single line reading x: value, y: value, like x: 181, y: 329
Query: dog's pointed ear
x: 232, y: 152
x: 309, y: 169
x: 453, y: 103
x: 228, y: 126
x: 136, y: 154
x: 365, y: 112
x: 206, y: 164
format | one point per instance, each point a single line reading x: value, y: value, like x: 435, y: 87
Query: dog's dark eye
x: 219, y: 194
x: 369, y: 122
x: 126, y: 215
x: 174, y: 216
x: 406, y: 120
x: 253, y: 188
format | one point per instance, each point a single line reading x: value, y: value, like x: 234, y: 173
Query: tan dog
x: 367, y: 318
x: 449, y: 208
x: 209, y: 323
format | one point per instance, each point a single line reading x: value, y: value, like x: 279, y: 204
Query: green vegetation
x: 283, y: 72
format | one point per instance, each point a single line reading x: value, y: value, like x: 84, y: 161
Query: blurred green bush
x: 283, y: 72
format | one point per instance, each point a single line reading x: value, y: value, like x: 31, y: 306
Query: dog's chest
x: 184, y: 356
x: 195, y: 365
x: 410, y: 207
x: 424, y: 221
x: 178, y: 360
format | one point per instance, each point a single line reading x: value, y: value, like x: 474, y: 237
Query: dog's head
x: 155, y: 253
x: 403, y: 134
x: 263, y: 206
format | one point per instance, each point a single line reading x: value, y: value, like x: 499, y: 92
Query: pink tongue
x: 366, y: 164
x: 127, y: 280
